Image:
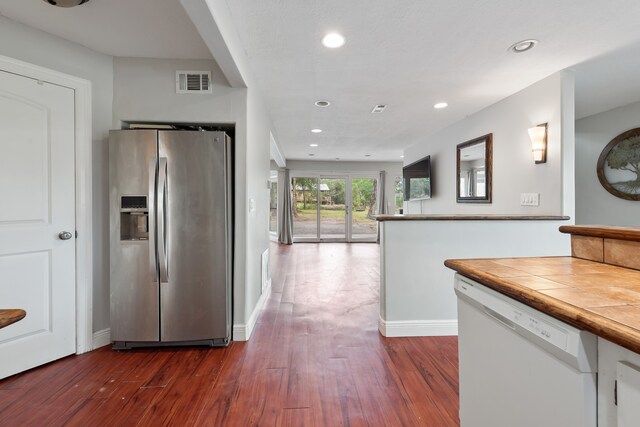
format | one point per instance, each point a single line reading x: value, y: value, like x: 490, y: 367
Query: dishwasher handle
x: 499, y: 317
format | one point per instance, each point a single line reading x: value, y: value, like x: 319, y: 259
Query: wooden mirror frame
x: 603, y: 158
x: 488, y: 167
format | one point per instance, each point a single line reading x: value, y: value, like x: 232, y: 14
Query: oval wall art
x: 619, y: 165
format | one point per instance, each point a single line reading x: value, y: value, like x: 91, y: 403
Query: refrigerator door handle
x: 151, y: 204
x: 162, y: 219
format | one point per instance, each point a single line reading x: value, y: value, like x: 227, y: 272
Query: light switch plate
x: 529, y: 199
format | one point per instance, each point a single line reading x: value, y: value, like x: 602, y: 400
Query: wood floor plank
x: 296, y: 417
x: 341, y: 402
x: 220, y: 395
x: 137, y: 406
x: 315, y: 358
x: 106, y: 411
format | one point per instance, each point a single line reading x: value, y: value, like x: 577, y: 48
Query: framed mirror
x: 474, y: 167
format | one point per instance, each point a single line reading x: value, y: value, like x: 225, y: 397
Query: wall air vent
x: 378, y: 109
x: 193, y: 81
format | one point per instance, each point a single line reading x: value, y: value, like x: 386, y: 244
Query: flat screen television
x: 416, y: 179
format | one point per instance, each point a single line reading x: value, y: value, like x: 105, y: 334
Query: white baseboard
x: 101, y: 338
x: 242, y: 331
x: 417, y: 328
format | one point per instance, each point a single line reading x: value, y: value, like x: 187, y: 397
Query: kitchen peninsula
x: 595, y: 296
x: 415, y: 296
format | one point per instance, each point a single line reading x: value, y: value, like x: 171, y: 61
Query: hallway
x: 315, y: 358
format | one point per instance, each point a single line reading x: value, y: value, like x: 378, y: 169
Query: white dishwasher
x: 520, y: 367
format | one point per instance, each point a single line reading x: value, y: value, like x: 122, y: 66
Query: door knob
x: 65, y: 235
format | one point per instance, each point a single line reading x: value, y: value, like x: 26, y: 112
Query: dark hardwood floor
x: 315, y: 359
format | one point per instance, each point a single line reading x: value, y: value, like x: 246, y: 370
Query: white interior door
x: 37, y: 194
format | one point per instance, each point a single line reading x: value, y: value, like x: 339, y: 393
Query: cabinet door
x: 618, y: 385
x: 628, y: 377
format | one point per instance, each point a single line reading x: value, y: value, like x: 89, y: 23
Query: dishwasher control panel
x: 544, y: 330
x: 500, y: 308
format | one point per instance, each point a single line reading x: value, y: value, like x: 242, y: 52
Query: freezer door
x: 192, y: 236
x: 134, y: 287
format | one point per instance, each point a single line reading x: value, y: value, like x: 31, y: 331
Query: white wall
x: 594, y: 204
x: 145, y: 89
x: 514, y: 172
x: 393, y: 169
x: 30, y: 45
x: 257, y: 175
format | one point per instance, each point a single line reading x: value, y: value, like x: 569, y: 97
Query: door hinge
x: 76, y: 234
x: 615, y: 393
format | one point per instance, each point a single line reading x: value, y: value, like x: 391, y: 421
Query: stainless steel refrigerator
x: 170, y: 237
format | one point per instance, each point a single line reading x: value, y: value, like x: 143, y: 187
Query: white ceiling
x: 134, y: 28
x: 608, y: 81
x: 408, y: 54
x: 411, y: 54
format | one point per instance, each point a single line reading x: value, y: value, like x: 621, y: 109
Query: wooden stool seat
x: 9, y: 316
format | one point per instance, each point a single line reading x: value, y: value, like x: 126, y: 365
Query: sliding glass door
x: 334, y: 208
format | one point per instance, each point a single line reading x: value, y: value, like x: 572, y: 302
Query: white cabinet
x: 618, y: 386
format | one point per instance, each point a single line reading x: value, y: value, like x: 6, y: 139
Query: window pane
x: 399, y: 194
x: 304, y: 195
x: 333, y: 214
x: 364, y: 195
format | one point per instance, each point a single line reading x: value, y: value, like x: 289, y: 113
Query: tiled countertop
x: 600, y: 298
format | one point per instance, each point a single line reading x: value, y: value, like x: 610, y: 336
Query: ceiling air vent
x: 378, y: 109
x: 193, y: 82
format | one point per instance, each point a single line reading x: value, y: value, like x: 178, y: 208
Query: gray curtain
x: 471, y: 183
x: 285, y: 230
x: 382, y: 200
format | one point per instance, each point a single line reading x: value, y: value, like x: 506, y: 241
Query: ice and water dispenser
x: 134, y: 218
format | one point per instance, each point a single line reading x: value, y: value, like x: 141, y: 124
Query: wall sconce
x: 538, y: 137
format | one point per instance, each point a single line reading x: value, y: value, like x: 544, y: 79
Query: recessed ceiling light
x: 378, y: 108
x: 313, y: 145
x: 402, y: 157
x: 311, y: 155
x: 66, y: 3
x: 316, y: 130
x: 440, y: 105
x: 523, y: 46
x: 333, y: 40
x: 337, y: 158
x: 322, y: 103
x: 367, y: 155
